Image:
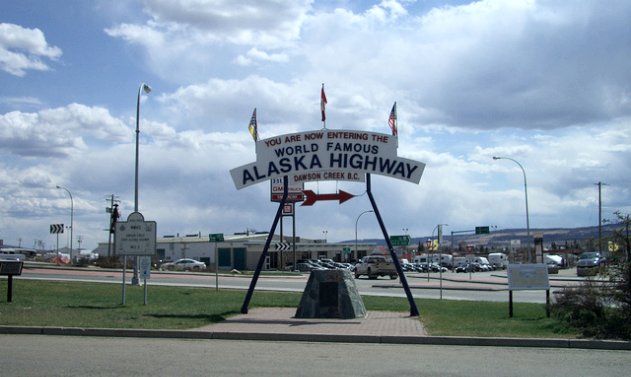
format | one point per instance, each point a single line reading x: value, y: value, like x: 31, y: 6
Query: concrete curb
x: 333, y: 338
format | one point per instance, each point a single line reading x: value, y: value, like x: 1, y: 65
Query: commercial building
x: 242, y: 251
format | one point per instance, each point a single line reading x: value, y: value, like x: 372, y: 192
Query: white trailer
x: 470, y: 258
x: 421, y: 259
x: 498, y: 260
x: 552, y: 258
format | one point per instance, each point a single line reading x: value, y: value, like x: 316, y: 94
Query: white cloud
x: 546, y: 83
x: 254, y: 54
x: 57, y: 132
x: 266, y: 22
x: 21, y: 49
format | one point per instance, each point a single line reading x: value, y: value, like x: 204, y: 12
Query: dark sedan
x: 589, y: 263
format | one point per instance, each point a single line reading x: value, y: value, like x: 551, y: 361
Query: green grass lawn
x: 72, y: 304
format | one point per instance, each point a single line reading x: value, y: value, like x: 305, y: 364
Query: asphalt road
x: 36, y: 355
x: 482, y: 286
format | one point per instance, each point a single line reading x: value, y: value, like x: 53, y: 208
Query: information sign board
x: 135, y: 236
x: 11, y: 268
x: 522, y: 277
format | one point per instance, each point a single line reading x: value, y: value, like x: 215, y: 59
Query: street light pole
x: 71, y: 215
x: 525, y: 193
x: 600, y: 216
x: 147, y: 89
x: 440, y: 255
x: 356, y: 221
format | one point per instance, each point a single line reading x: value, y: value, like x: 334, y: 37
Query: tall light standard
x: 600, y: 216
x: 71, y: 215
x: 405, y: 249
x: 147, y: 89
x: 440, y: 255
x: 525, y: 193
x: 431, y: 248
x: 356, y: 221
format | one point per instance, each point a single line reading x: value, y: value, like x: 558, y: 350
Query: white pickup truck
x: 374, y: 266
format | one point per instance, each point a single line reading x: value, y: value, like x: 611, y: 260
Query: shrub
x: 109, y: 262
x: 581, y: 307
x: 598, y: 311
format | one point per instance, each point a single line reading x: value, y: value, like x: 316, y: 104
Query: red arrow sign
x: 312, y: 197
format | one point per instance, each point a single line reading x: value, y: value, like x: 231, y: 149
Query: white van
x: 470, y: 258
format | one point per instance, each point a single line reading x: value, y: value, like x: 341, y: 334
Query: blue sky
x: 546, y: 83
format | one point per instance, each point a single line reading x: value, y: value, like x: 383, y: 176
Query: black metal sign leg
x: 414, y: 312
x: 270, y: 236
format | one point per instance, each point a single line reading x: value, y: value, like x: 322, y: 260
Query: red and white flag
x: 323, y: 103
x: 392, y: 120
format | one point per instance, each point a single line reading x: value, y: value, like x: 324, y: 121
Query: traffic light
x: 114, y: 218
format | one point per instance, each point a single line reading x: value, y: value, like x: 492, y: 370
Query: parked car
x: 470, y: 267
x: 184, y: 264
x: 408, y: 267
x: 374, y: 266
x: 589, y: 263
x: 420, y: 267
x: 306, y: 267
x: 553, y: 268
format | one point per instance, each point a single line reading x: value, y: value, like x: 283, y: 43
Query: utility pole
x: 113, y: 201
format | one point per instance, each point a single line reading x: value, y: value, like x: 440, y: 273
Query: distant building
x: 242, y: 251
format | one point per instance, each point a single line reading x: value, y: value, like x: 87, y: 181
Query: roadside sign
x: 283, y: 246
x: 528, y: 277
x: 294, y: 191
x: 144, y: 265
x: 135, y: 236
x: 215, y: 237
x: 288, y: 209
x: 403, y: 240
x: 56, y: 228
x: 346, y: 250
x: 11, y: 268
x: 524, y: 277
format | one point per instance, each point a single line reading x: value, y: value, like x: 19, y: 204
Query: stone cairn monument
x: 331, y: 294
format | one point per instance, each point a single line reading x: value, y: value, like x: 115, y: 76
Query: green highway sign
x: 216, y: 237
x: 400, y: 240
x: 346, y: 250
x: 482, y: 230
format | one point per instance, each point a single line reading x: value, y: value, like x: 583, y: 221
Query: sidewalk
x: 278, y: 324
x: 281, y: 320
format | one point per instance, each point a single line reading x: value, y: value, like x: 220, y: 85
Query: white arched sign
x: 327, y: 155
